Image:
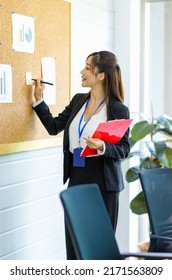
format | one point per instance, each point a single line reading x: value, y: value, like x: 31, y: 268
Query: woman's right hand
x: 38, y: 89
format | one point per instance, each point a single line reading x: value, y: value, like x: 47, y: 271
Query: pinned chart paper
x: 23, y: 33
x: 5, y: 83
x: 111, y: 131
x: 49, y: 75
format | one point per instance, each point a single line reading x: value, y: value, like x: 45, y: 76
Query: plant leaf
x: 136, y: 153
x: 169, y: 155
x: 151, y: 147
x: 141, y: 129
x: 138, y: 204
x: 148, y: 163
x: 132, y: 142
x: 164, y: 120
x: 132, y: 174
x: 166, y: 159
x: 160, y: 147
x: 164, y: 124
x: 156, y: 148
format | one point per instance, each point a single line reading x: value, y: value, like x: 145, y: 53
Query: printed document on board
x: 5, y: 83
x: 49, y: 75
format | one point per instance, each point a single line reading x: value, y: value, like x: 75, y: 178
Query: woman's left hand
x: 94, y: 143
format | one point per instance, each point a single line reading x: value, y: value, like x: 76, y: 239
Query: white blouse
x: 89, y: 129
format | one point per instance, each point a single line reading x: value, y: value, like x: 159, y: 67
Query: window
x: 158, y: 57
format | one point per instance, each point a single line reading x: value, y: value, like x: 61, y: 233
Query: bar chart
x: 5, y: 83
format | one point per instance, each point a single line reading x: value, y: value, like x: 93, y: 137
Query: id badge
x: 78, y: 161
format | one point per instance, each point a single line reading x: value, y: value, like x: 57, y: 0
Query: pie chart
x: 28, y: 35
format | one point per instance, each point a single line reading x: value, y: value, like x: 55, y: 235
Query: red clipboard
x: 111, y: 131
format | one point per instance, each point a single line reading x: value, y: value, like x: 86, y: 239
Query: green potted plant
x: 154, y: 137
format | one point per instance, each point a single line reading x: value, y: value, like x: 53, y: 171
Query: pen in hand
x: 47, y: 83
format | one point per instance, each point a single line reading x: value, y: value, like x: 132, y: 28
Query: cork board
x: 20, y: 128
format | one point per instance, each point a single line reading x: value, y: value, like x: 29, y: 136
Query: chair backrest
x: 157, y: 188
x: 88, y: 223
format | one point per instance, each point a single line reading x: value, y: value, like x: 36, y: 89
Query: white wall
x: 31, y: 216
x: 92, y: 30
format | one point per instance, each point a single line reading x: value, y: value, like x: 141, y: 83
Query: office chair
x: 157, y: 188
x: 90, y: 228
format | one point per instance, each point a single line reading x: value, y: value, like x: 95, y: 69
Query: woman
x: 80, y: 119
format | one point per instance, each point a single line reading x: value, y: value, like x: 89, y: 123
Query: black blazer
x: 113, y: 153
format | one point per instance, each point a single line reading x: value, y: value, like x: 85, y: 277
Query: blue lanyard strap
x: 80, y: 130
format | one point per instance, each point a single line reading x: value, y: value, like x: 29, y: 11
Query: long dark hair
x: 105, y: 61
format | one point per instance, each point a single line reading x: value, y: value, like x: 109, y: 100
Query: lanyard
x: 80, y: 130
